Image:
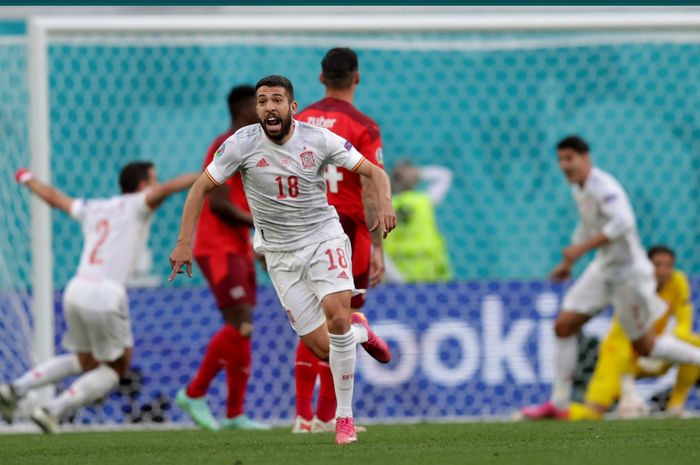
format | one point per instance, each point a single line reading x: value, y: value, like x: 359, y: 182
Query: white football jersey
x: 115, y: 232
x: 604, y: 207
x: 285, y: 184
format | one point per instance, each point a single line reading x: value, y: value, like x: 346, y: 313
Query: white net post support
x: 39, y: 141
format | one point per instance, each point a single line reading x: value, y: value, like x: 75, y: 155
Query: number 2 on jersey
x: 292, y: 187
x: 102, y: 229
x: 342, y: 258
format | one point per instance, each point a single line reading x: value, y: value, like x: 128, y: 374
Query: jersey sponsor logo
x: 379, y: 155
x: 347, y: 145
x: 322, y: 121
x: 343, y: 275
x: 307, y: 160
x: 262, y: 163
x: 609, y: 198
x: 220, y: 150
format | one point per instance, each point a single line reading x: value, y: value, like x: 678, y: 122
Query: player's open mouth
x: 273, y: 123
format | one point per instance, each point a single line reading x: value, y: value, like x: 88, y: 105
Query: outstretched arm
x: 49, y: 194
x: 379, y: 181
x: 156, y: 195
x: 182, y: 254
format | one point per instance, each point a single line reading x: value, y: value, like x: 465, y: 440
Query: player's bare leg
x: 566, y: 327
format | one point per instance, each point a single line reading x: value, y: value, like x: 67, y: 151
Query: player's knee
x: 87, y: 361
x: 565, y: 328
x: 338, y: 323
x: 240, y: 317
x: 121, y: 364
x: 643, y: 346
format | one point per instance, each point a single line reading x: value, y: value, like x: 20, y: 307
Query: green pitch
x: 653, y: 442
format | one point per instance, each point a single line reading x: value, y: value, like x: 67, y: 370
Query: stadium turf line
x: 653, y: 442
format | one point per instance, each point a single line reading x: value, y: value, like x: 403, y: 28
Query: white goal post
x: 358, y: 20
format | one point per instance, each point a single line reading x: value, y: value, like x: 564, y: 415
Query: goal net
x: 488, y: 106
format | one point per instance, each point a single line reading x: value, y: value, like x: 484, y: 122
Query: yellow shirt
x: 676, y: 293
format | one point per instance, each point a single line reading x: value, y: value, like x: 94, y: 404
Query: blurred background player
x: 618, y: 366
x: 620, y: 275
x: 416, y: 251
x: 96, y: 306
x: 355, y: 203
x: 224, y: 252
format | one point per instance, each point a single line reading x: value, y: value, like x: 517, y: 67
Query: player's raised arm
x: 157, y: 194
x: 182, y: 254
x: 378, y: 179
x: 49, y: 194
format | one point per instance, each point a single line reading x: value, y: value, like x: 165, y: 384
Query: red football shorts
x: 231, y: 277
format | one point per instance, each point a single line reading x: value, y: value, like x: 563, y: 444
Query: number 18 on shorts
x: 303, y: 277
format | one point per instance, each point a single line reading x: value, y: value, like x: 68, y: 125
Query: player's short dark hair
x: 277, y: 81
x: 575, y: 143
x: 238, y: 96
x: 339, y: 67
x: 132, y: 174
x: 663, y: 249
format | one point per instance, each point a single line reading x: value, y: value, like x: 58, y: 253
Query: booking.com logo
x: 490, y: 349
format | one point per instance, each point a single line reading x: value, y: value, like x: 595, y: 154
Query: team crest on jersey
x: 307, y: 160
x: 220, y: 150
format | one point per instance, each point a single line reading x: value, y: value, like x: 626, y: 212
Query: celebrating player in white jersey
x: 95, y: 303
x: 620, y: 275
x: 282, y: 163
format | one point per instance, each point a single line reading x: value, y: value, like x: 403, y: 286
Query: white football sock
x: 342, y: 358
x: 360, y: 333
x: 91, y: 386
x: 672, y: 349
x: 565, y: 357
x: 50, y: 371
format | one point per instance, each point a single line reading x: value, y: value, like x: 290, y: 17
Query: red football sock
x: 325, y: 410
x: 237, y: 374
x: 305, y: 370
x: 218, y: 352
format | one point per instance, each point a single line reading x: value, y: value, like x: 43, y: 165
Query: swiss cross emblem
x: 307, y: 159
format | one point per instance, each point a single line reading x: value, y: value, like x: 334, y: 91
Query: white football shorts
x: 303, y: 277
x: 633, y: 299
x: 97, y: 314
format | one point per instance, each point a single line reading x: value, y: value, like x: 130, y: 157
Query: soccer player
x: 621, y: 275
x: 224, y: 253
x: 95, y: 303
x: 617, y: 365
x: 352, y: 198
x: 308, y: 255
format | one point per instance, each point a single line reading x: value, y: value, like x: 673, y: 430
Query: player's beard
x: 284, y: 130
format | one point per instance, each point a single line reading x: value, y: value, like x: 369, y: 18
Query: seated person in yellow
x: 617, y: 365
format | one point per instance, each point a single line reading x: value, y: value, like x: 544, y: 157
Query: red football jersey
x: 341, y: 117
x: 213, y: 235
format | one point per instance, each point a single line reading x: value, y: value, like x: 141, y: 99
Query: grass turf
x: 667, y: 442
